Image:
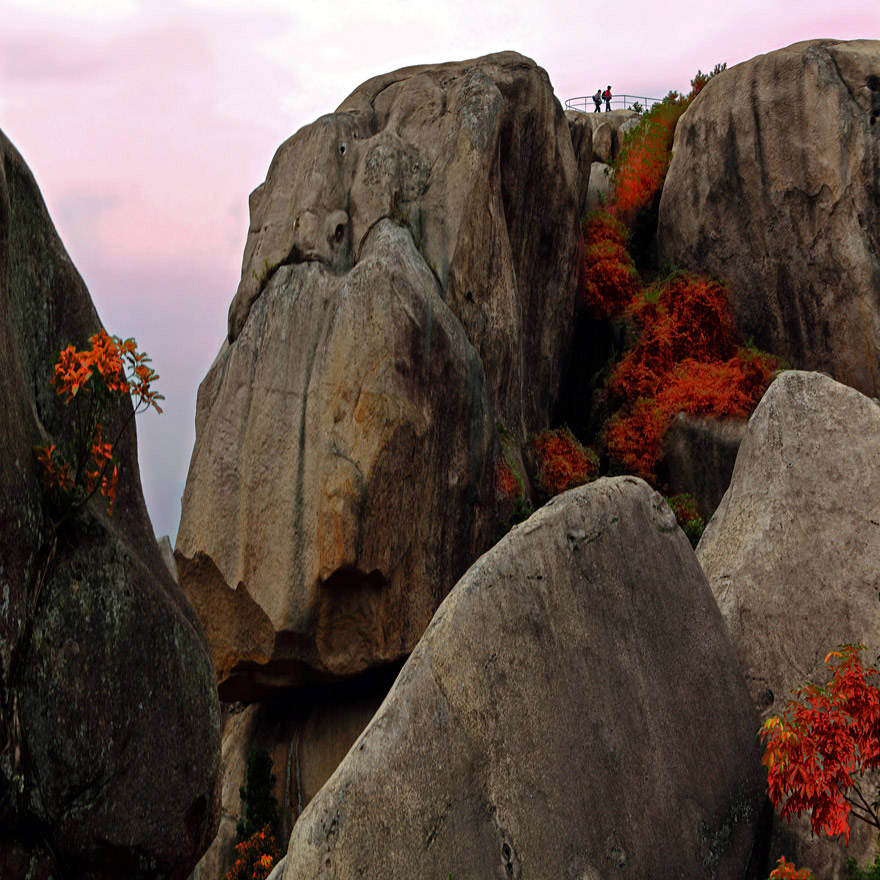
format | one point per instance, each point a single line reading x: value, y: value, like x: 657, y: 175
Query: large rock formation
x: 775, y: 186
x: 109, y: 721
x: 793, y: 552
x: 575, y: 708
x: 409, y: 280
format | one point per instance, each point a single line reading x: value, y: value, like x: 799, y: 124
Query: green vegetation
x: 259, y: 807
x: 869, y: 872
x: 685, y: 509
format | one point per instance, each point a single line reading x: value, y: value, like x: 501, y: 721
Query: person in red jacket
x: 606, y: 97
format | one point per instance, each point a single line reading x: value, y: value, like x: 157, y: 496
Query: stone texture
x: 775, y: 186
x: 605, y: 143
x: 167, y: 552
x: 409, y: 281
x: 109, y: 713
x: 608, y: 131
x: 698, y: 458
x: 582, y: 143
x: 306, y: 734
x: 575, y: 708
x: 600, y: 187
x: 793, y: 552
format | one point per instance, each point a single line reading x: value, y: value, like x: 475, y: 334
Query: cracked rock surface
x: 409, y: 281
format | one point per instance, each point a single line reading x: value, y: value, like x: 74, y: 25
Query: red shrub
x: 610, y: 279
x: 641, y: 165
x: 255, y: 857
x: 562, y: 462
x: 699, y: 309
x: 689, y: 317
x: 711, y: 388
x: 700, y: 80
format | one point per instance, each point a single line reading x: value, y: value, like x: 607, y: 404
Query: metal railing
x: 586, y: 105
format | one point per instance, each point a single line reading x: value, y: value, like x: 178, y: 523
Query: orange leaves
x: 688, y: 318
x: 634, y: 436
x: 787, y: 871
x: 823, y: 739
x: 685, y: 359
x: 255, y: 857
x: 91, y: 379
x: 562, y: 462
x: 610, y: 278
x: 116, y: 365
x: 641, y: 165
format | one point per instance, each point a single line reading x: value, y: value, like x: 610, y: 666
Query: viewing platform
x: 618, y: 102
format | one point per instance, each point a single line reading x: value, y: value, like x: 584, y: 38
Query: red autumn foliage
x: 610, y: 278
x: 90, y: 379
x: 700, y: 80
x: 685, y: 356
x: 634, y: 437
x: 562, y: 462
x: 685, y: 359
x: 641, y: 165
x: 824, y: 738
x: 688, y: 318
x: 255, y: 857
x: 787, y: 871
x: 684, y: 507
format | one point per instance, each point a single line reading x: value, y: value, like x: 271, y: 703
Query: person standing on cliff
x: 597, y: 100
x: 606, y: 95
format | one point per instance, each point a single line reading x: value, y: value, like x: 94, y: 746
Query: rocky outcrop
x: 608, y: 132
x: 793, y: 553
x: 167, y: 552
x: 775, y: 186
x: 582, y: 143
x: 600, y: 186
x: 409, y: 281
x: 575, y: 708
x: 109, y: 720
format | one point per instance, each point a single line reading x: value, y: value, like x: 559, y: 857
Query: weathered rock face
x: 108, y: 708
x: 608, y: 131
x: 574, y: 708
x: 409, y: 280
x: 793, y: 552
x: 600, y: 187
x: 775, y: 186
x: 582, y: 143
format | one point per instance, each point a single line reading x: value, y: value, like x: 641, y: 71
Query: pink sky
x: 148, y: 122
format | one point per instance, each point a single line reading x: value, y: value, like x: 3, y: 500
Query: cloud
x: 92, y: 11
x: 148, y: 122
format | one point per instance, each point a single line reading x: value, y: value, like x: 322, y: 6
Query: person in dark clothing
x: 597, y: 100
x: 606, y: 96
